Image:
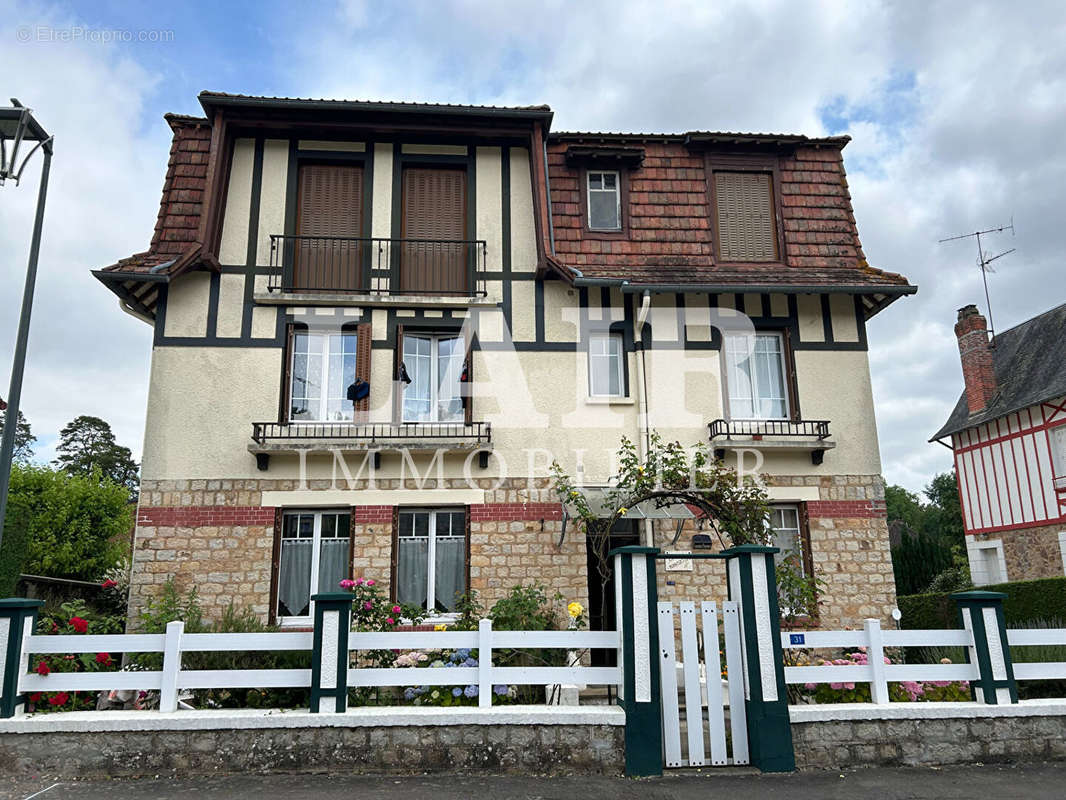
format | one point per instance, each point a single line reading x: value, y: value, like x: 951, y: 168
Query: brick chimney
x: 976, y: 354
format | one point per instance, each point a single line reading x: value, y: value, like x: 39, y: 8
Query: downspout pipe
x: 643, y: 432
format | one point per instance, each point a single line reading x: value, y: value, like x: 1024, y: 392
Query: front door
x: 601, y: 596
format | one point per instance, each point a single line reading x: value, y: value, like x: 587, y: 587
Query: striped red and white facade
x: 1010, y: 475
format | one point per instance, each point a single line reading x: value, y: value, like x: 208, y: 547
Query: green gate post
x: 752, y: 583
x: 636, y: 595
x: 329, y: 654
x: 981, y: 613
x: 18, y: 618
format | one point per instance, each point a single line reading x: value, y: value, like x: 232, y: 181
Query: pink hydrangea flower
x: 347, y: 584
x: 370, y: 582
x: 390, y: 620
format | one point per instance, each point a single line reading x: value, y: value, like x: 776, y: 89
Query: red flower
x: 78, y: 624
x: 58, y: 699
x: 103, y: 658
x: 43, y: 668
x: 108, y: 584
x: 35, y: 697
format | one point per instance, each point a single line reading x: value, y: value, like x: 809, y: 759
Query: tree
x: 24, y: 438
x: 78, y: 526
x: 926, y: 536
x: 87, y: 446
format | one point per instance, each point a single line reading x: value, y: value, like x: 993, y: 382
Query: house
x: 1008, y: 436
x: 377, y: 324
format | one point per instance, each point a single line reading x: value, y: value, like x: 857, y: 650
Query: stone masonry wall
x: 849, y: 549
x: 838, y: 744
x: 1030, y: 552
x: 522, y: 749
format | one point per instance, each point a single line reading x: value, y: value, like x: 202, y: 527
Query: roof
x: 174, y: 248
x: 1027, y: 361
x: 215, y: 100
x: 668, y: 242
x: 703, y: 137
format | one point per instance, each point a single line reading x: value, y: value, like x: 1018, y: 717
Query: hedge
x: 1027, y: 602
x: 13, y: 549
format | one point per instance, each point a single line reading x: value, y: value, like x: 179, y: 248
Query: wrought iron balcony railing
x: 343, y: 264
x: 371, y: 435
x: 746, y: 428
x: 807, y: 435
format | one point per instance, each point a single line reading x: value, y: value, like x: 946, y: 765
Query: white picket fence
x: 879, y: 674
x: 172, y: 679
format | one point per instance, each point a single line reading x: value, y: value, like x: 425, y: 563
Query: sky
x: 955, y: 109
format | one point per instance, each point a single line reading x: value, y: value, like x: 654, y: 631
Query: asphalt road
x: 1033, y: 782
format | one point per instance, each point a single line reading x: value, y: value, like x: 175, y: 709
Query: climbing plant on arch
x: 735, y: 507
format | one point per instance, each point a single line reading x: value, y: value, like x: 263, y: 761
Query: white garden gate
x: 704, y: 701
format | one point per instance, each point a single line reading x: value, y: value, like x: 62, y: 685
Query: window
x: 434, y: 217
x: 606, y: 378
x: 323, y: 367
x: 431, y: 558
x: 1057, y: 439
x: 745, y: 216
x: 329, y: 220
x: 787, y: 536
x: 756, y: 379
x: 988, y: 563
x: 434, y: 363
x: 604, y: 201
x: 315, y: 550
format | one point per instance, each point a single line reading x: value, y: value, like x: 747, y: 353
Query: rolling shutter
x: 745, y: 216
x: 330, y: 204
x: 434, y: 208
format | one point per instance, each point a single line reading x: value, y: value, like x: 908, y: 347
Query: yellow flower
x: 622, y: 511
x: 575, y: 610
x: 573, y: 494
x: 440, y: 627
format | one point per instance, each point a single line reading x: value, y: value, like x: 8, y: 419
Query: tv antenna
x: 984, y: 262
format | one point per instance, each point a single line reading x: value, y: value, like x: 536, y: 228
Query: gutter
x: 681, y: 288
x: 643, y: 431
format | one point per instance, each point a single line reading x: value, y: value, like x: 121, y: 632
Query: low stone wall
x: 927, y: 734
x: 534, y: 740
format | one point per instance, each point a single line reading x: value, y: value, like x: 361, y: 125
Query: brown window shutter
x: 792, y: 385
x: 362, y: 362
x: 397, y: 385
x: 434, y: 208
x: 395, y: 552
x: 745, y: 216
x: 285, y: 403
x: 807, y: 555
x: 330, y: 203
x: 275, y: 567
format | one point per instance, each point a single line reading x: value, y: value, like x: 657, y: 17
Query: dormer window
x: 744, y: 216
x: 604, y: 201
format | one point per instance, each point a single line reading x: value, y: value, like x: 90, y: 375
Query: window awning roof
x: 597, y: 501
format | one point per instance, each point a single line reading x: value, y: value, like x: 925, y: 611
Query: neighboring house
x: 1008, y: 434
x: 511, y: 296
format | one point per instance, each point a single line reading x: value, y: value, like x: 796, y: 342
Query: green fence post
x: 18, y: 619
x: 981, y: 613
x: 329, y: 654
x: 752, y: 583
x: 636, y: 596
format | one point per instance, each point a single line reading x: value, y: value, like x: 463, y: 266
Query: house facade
x: 376, y: 325
x: 1008, y: 436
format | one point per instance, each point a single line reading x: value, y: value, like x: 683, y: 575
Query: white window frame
x: 316, y: 551
x: 434, y: 376
x: 1062, y: 550
x: 618, y: 361
x: 1056, y: 436
x: 755, y: 393
x: 779, y: 557
x: 617, y: 197
x: 323, y: 399
x: 431, y: 555
x: 976, y: 553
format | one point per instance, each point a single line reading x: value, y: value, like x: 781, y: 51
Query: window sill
x: 609, y: 401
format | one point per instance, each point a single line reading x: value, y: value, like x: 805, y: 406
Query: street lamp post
x: 19, y: 131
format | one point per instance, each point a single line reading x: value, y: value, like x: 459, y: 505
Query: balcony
x: 772, y: 435
x: 350, y: 437
x: 331, y: 269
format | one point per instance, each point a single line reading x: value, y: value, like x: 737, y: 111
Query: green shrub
x: 1027, y: 602
x: 13, y: 549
